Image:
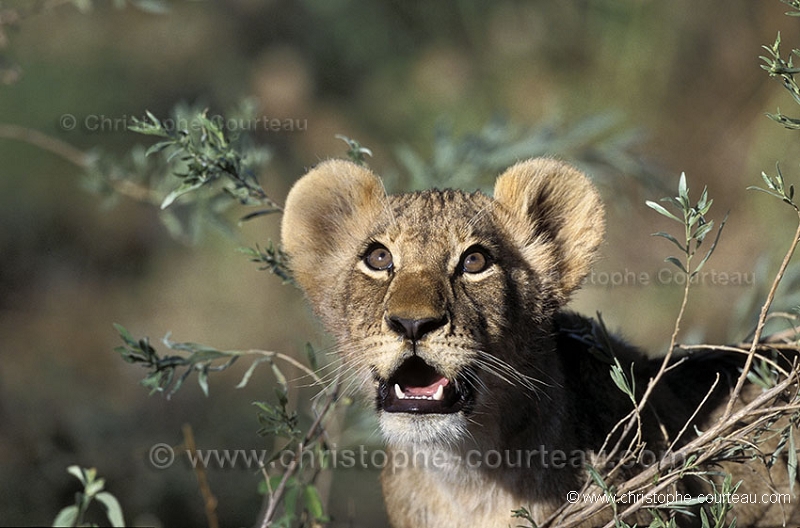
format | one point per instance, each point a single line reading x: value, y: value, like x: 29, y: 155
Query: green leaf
x: 153, y: 118
x: 312, y: 357
x: 280, y: 377
x: 702, y: 231
x: 771, y: 193
x: 67, y: 517
x: 202, y: 379
x: 674, y: 202
x: 671, y: 239
x: 704, y: 523
x: 661, y: 210
x: 787, y: 122
x: 703, y: 205
x: 313, y: 502
x: 113, y: 509
x: 78, y: 473
x: 124, y: 334
x: 180, y: 191
x: 290, y: 498
x: 158, y: 147
x: 683, y: 190
x: 93, y: 487
x: 713, y: 246
x: 767, y: 180
x: 597, y: 479
x: 618, y: 376
x: 676, y: 262
x: 153, y: 128
x: 249, y: 372
x: 355, y: 151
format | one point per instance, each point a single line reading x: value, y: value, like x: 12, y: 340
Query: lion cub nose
x: 415, y: 329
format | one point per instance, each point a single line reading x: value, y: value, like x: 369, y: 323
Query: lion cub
x: 447, y: 306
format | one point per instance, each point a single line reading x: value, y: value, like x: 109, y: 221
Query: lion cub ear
x: 556, y: 217
x: 327, y: 216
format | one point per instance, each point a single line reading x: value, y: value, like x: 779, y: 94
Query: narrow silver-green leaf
x: 713, y: 246
x: 702, y: 231
x: 661, y: 210
x: 249, y: 373
x: 202, y: 379
x: 280, y: 377
x: 158, y: 147
x: 93, y: 487
x: 78, y: 473
x: 683, y: 190
x: 671, y: 239
x: 183, y: 189
x: 312, y: 357
x: 113, y: 509
x: 676, y: 262
x: 67, y: 517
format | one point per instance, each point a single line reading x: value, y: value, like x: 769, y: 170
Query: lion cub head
x: 442, y: 301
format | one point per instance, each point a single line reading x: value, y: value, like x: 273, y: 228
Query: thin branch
x: 694, y: 414
x: 77, y: 157
x: 762, y: 319
x: 739, y: 350
x: 284, y: 357
x: 47, y: 143
x: 209, y: 500
x: 705, y: 447
x: 272, y: 500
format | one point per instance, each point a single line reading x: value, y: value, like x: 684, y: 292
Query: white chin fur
x: 423, y: 430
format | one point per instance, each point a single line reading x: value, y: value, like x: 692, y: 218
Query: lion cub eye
x: 475, y: 260
x: 378, y: 258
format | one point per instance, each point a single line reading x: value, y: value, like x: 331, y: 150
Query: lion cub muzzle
x: 416, y: 386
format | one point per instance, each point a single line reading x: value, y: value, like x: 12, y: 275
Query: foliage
x: 784, y: 70
x: 746, y: 430
x: 600, y: 143
x: 771, y: 417
x: 777, y: 188
x: 198, y: 358
x: 205, y: 149
x: 93, y: 490
x: 355, y: 151
x: 694, y: 223
x: 277, y: 419
x: 199, y: 169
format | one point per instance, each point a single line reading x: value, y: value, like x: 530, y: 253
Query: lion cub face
x: 441, y: 301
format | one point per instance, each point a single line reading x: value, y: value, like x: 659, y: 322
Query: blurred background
x: 679, y: 80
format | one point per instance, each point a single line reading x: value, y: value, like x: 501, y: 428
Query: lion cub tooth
x: 439, y: 394
x: 399, y: 392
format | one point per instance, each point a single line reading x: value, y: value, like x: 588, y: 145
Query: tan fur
x: 518, y: 375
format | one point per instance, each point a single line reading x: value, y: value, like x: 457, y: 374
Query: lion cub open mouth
x: 417, y: 387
